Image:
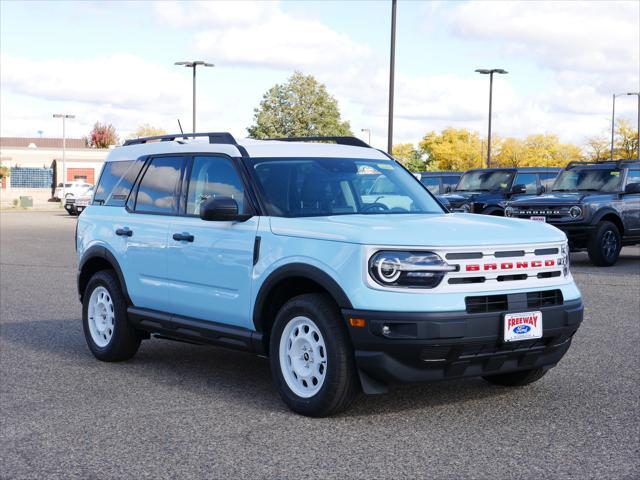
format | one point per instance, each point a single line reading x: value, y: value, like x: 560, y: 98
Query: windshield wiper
x: 563, y: 190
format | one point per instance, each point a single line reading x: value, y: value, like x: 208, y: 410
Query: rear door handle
x: 124, y: 232
x: 182, y: 237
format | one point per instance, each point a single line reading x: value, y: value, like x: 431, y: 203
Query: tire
x: 516, y: 379
x: 107, y: 331
x: 604, y: 245
x: 323, y: 351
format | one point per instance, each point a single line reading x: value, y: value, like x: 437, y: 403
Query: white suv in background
x: 71, y: 189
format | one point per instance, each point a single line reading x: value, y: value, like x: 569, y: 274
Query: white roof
x: 255, y: 148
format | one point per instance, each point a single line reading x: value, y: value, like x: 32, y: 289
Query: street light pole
x: 637, y: 94
x: 392, y: 66
x: 368, y: 133
x: 194, y: 65
x: 490, y: 72
x: 613, y: 121
x: 64, y: 117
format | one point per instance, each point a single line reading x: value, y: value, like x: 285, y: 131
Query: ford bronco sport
x: 596, y: 204
x: 487, y: 190
x: 273, y: 247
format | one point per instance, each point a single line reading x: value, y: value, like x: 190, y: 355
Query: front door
x: 144, y: 229
x: 210, y: 262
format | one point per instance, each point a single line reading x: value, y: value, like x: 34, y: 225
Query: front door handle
x: 124, y: 232
x: 182, y: 237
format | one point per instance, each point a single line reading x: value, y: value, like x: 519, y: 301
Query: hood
x: 555, y: 198
x: 437, y: 230
x: 460, y: 197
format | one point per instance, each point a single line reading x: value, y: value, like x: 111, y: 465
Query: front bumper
x: 421, y: 347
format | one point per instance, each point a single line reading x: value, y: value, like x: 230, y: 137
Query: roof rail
x: 214, y: 137
x: 621, y: 161
x: 340, y: 140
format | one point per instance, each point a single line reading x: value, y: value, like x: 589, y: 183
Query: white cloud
x: 600, y: 37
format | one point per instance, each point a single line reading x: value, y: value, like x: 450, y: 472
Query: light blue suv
x: 280, y: 248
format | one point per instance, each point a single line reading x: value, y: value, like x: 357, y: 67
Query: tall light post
x: 368, y: 133
x: 392, y: 66
x: 194, y: 65
x: 490, y: 72
x: 64, y: 117
x: 637, y: 94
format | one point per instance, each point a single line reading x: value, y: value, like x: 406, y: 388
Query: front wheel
x: 516, y: 379
x: 107, y: 331
x: 604, y: 245
x: 311, y: 357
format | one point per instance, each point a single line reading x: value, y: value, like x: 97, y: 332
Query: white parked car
x: 71, y: 189
x: 75, y: 206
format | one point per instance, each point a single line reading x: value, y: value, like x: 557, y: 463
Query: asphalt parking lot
x: 179, y: 410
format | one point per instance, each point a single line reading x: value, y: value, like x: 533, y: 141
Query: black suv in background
x: 596, y: 204
x: 487, y: 190
x: 439, y: 183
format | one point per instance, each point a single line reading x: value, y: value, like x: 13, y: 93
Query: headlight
x: 508, y: 212
x: 564, y: 259
x: 575, y: 212
x: 408, y: 269
x: 465, y: 207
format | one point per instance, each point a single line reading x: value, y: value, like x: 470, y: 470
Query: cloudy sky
x: 113, y: 61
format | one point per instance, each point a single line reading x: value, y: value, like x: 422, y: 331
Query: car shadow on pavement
x: 216, y: 373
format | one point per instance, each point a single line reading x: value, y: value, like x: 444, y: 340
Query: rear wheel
x: 107, y: 331
x: 516, y: 379
x: 604, y: 245
x: 311, y: 357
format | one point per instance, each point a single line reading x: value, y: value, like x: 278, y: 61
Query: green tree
x: 103, y: 135
x: 147, y: 130
x: 407, y: 154
x: 452, y: 149
x: 300, y: 107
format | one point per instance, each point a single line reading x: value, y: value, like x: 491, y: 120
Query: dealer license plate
x: 522, y: 326
x: 538, y: 219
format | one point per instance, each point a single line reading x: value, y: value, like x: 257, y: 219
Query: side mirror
x: 520, y: 188
x: 447, y: 189
x: 221, y: 209
x: 540, y: 190
x: 632, y: 188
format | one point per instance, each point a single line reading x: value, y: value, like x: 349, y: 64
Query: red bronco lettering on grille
x: 509, y: 266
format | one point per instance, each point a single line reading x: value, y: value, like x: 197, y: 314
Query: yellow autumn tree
x: 453, y: 149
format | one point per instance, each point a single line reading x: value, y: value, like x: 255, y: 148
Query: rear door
x: 144, y: 228
x: 209, y: 272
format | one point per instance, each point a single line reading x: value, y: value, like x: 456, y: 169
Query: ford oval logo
x: 521, y: 329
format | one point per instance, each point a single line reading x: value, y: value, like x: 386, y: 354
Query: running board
x: 196, y: 331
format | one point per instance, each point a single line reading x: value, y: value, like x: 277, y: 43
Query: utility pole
x: 392, y: 66
x: 490, y: 72
x: 64, y: 117
x: 194, y: 65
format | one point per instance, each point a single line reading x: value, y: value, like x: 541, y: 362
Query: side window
x: 158, y: 188
x: 528, y: 180
x: 547, y: 179
x: 432, y: 184
x: 633, y: 176
x: 116, y: 181
x: 213, y: 177
x: 449, y: 182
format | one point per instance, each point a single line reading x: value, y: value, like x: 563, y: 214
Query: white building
x: 36, y: 166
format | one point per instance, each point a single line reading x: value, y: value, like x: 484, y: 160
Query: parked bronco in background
x: 331, y: 259
x: 596, y: 204
x: 488, y: 190
x: 439, y: 183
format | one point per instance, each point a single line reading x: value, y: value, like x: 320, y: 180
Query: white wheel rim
x: 303, y: 357
x: 101, y: 316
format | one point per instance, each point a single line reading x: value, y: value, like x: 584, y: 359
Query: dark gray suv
x: 596, y: 204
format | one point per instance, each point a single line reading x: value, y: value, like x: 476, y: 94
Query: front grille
x: 487, y: 303
x: 546, y: 298
x: 500, y: 303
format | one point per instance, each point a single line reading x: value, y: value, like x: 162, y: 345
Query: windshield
x: 588, y: 179
x: 308, y: 187
x: 485, y: 181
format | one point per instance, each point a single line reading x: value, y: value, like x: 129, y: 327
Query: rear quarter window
x: 116, y: 181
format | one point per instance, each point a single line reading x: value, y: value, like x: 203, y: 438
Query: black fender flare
x: 310, y: 272
x: 491, y: 210
x: 98, y: 251
x: 603, y: 212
